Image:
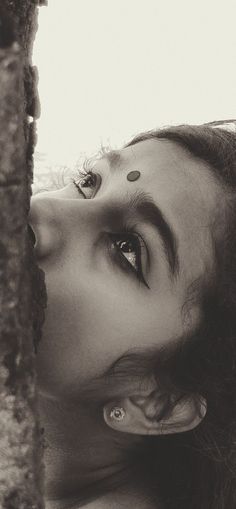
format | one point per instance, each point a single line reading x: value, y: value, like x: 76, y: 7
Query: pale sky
x: 109, y: 69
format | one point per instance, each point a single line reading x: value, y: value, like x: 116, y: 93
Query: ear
x: 155, y: 413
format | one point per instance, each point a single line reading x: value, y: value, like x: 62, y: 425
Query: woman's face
x: 119, y: 260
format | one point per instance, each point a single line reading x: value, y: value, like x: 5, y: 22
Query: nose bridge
x: 55, y: 219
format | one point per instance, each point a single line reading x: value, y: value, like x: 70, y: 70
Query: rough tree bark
x: 22, y: 288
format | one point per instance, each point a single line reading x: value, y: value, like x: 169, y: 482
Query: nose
x: 59, y: 218
x: 45, y: 225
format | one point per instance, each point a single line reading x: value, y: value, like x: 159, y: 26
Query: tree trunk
x: 22, y: 288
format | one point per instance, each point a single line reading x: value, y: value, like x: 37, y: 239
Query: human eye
x: 128, y: 250
x: 87, y: 182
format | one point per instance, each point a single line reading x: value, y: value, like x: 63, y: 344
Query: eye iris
x: 129, y: 251
x: 87, y: 181
x: 126, y: 246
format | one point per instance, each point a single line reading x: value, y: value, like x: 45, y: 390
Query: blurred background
x: 109, y: 69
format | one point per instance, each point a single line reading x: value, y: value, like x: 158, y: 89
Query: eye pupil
x: 87, y: 181
x: 126, y: 246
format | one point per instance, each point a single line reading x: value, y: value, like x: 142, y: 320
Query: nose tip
x: 43, y: 228
x: 34, y: 237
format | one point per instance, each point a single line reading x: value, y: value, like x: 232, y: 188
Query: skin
x: 97, y: 311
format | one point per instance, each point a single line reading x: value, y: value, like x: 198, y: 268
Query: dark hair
x: 197, y: 469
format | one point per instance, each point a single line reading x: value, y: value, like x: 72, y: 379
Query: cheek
x: 115, y: 323
x: 92, y: 322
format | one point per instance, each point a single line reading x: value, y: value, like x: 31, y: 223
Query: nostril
x: 31, y: 234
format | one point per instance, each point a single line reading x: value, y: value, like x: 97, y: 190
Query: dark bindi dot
x: 133, y: 175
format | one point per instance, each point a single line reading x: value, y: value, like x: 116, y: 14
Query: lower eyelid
x: 98, y: 181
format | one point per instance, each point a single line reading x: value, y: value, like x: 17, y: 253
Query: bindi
x: 133, y: 175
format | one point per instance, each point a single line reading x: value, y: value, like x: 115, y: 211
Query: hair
x: 197, y: 469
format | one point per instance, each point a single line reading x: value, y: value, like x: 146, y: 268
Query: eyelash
x: 138, y: 247
x: 126, y: 235
x: 83, y: 176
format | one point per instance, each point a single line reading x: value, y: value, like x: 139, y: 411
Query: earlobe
x: 155, y: 414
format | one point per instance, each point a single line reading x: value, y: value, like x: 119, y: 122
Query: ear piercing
x: 133, y: 175
x: 117, y: 413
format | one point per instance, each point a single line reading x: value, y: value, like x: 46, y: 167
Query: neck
x: 82, y: 454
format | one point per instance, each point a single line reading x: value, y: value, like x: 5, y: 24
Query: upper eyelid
x: 88, y: 169
x: 90, y: 162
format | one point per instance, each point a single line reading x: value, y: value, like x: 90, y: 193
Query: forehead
x: 167, y: 166
x: 186, y: 190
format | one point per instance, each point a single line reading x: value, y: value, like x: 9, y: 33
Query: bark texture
x: 22, y: 288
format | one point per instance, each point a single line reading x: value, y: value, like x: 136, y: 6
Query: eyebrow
x: 114, y: 159
x: 150, y: 213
